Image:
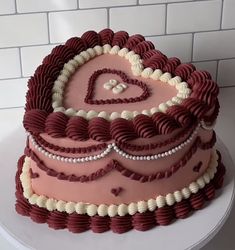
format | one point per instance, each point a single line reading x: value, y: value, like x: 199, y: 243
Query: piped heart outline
x: 89, y: 98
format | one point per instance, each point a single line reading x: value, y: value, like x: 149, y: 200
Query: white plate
x: 191, y: 233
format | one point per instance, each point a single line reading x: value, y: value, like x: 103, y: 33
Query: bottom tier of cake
x: 78, y: 223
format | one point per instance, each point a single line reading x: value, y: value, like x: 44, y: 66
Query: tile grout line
x: 217, y: 70
x: 48, y: 29
x: 108, y: 17
x: 192, y: 46
x: 221, y: 14
x: 166, y: 13
x: 21, y: 65
x: 15, y: 7
x: 156, y: 35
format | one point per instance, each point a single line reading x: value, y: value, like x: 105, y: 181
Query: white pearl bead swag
x: 114, y: 147
x: 121, y: 209
x: 137, y: 69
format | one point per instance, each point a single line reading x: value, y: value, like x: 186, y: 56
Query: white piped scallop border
x: 121, y: 209
x: 137, y: 69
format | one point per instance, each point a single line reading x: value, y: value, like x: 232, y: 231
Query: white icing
x: 137, y: 69
x: 114, y: 147
x: 113, y: 210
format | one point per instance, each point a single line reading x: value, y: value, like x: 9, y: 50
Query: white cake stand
x: 191, y: 233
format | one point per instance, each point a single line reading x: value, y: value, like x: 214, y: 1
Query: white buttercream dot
x: 193, y: 187
x: 63, y: 78
x: 170, y: 199
x: 80, y: 208
x: 156, y: 74
x: 69, y: 67
x: 137, y: 69
x: 145, y: 112
x: 154, y: 110
x: 123, y: 52
x: 163, y: 107
x: 81, y: 113
x: 41, y: 201
x: 178, y: 196
x: 160, y: 201
x: 50, y: 204
x: 142, y: 206
x: 79, y: 59
x: 173, y: 81
x: 186, y: 192
x: 165, y: 77
x: 91, y: 52
x: 201, y: 182
x: 74, y: 63
x: 70, y: 207
x: 102, y: 210
x: 70, y: 112
x: 112, y: 210
x: 132, y: 208
x: 60, y: 205
x: 134, y: 58
x: 129, y: 54
x: 33, y: 199
x: 128, y: 115
x: 114, y: 50
x: 114, y: 115
x: 85, y: 55
x: 152, y: 204
x: 135, y: 113
x: 91, y: 209
x: 104, y: 115
x: 91, y: 114
x: 98, y: 50
x: 147, y: 72
x: 122, y: 210
x: 206, y: 178
x: 176, y: 100
x: 106, y: 48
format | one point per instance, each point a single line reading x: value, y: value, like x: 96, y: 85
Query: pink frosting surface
x: 99, y: 191
x: 76, y: 88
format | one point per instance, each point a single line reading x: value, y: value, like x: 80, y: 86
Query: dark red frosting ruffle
x: 77, y: 44
x: 78, y: 223
x: 202, y: 99
x: 106, y: 36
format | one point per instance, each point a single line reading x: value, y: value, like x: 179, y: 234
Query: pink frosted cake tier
x: 119, y: 136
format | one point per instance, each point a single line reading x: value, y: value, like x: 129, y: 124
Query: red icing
x: 64, y: 51
x: 91, y: 38
x: 34, y: 121
x: 56, y: 124
x: 143, y: 47
x: 76, y: 44
x: 120, y: 38
x: 144, y: 126
x: 171, y: 65
x: 55, y: 60
x: 92, y: 82
x: 49, y: 70
x: 148, y: 54
x: 119, y: 224
x: 115, y: 165
x: 106, y: 36
x: 185, y: 70
x: 77, y: 128
x: 99, y: 129
x: 156, y: 62
x: 133, y: 41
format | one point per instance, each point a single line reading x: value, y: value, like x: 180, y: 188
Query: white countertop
x: 224, y: 240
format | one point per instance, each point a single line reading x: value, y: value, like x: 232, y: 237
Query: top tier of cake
x: 109, y: 86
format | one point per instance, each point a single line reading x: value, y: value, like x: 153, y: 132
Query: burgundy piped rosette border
x: 78, y: 223
x: 39, y: 116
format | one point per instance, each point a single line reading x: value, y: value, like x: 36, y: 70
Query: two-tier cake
x: 119, y: 137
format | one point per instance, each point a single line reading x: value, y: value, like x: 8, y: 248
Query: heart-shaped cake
x: 119, y: 137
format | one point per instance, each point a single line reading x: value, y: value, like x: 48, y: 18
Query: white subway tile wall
x: 201, y: 32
